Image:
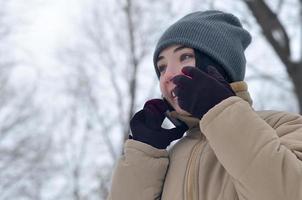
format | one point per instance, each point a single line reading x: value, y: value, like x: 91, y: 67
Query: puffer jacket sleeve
x: 262, y: 156
x: 139, y: 173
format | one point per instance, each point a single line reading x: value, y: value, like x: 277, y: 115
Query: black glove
x: 198, y: 91
x: 146, y: 125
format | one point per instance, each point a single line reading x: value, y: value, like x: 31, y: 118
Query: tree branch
x: 272, y: 29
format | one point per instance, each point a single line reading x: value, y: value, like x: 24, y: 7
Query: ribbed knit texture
x: 219, y: 35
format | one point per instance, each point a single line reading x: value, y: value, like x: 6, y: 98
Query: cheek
x: 191, y: 63
x: 162, y: 87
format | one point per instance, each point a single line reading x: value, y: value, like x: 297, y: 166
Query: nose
x: 171, y: 72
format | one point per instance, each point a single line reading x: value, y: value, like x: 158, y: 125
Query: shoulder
x: 288, y: 126
x: 278, y: 118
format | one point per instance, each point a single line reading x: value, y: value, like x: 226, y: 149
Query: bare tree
x: 23, y: 145
x: 106, y: 80
x: 278, y: 37
x: 122, y: 43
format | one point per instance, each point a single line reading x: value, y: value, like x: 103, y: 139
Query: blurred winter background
x: 73, y: 72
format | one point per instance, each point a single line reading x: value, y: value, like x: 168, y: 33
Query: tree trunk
x: 276, y: 35
x: 134, y: 64
x: 296, y: 76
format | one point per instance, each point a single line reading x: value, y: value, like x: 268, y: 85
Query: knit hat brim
x: 217, y: 34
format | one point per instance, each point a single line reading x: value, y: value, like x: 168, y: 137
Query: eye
x: 186, y: 56
x: 161, y: 68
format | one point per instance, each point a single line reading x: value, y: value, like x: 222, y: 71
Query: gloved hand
x: 146, y: 125
x: 198, y: 91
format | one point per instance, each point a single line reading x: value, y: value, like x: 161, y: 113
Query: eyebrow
x: 179, y: 48
x: 175, y: 50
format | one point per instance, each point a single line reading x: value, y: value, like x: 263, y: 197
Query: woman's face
x: 169, y: 63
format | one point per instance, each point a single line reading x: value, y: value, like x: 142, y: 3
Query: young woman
x: 229, y: 151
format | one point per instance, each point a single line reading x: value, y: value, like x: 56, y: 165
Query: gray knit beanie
x: 219, y: 35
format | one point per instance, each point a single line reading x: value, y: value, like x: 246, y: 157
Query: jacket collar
x: 241, y: 90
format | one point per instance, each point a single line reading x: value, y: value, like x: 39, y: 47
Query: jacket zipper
x: 191, y: 183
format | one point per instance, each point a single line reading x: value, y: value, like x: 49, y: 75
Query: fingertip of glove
x: 156, y: 106
x: 188, y: 70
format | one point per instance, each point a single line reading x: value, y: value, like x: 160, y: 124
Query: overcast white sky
x: 47, y: 24
x: 44, y: 25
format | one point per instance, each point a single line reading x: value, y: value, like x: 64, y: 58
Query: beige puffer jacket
x: 238, y: 154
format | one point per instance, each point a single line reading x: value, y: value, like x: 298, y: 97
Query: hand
x: 146, y: 125
x: 198, y: 91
